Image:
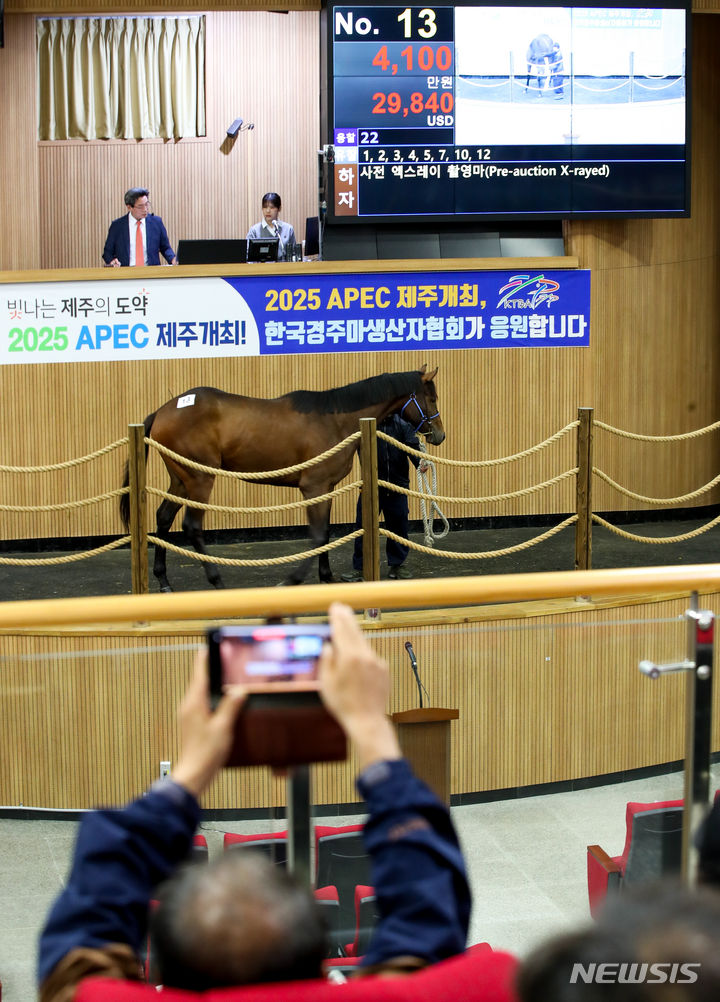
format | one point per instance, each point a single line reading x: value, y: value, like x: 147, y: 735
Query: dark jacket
x: 392, y: 462
x: 117, y: 244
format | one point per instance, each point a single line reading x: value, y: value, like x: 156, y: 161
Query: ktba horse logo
x: 527, y: 293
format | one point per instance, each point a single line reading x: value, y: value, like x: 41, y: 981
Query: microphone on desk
x: 283, y: 249
x: 413, y: 663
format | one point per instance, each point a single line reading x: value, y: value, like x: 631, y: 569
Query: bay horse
x: 251, y: 434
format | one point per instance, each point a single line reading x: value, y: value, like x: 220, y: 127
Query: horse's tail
x: 125, y: 498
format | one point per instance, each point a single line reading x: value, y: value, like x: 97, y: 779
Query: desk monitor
x: 312, y: 236
x: 263, y: 249
x: 212, y: 251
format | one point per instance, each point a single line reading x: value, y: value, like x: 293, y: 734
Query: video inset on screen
x: 591, y: 75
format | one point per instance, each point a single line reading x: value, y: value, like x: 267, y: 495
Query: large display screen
x: 481, y: 112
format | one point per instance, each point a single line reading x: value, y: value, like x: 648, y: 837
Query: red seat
x: 327, y: 900
x: 653, y: 839
x: 479, y: 974
x: 342, y: 861
x: 343, y: 964
x: 365, y: 920
x: 199, y: 851
x: 346, y: 839
x: 271, y: 844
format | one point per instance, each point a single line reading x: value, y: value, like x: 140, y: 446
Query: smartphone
x: 283, y: 721
x: 272, y: 658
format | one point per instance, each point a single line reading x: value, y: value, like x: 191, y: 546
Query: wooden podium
x: 424, y: 736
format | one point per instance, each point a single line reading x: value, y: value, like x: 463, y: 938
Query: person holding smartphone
x: 238, y: 922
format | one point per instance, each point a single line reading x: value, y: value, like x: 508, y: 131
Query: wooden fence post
x: 583, y: 490
x: 138, y: 509
x: 369, y: 499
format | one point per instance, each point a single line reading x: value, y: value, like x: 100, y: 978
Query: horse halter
x: 424, y: 418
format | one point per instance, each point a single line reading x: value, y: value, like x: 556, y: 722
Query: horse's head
x: 421, y: 409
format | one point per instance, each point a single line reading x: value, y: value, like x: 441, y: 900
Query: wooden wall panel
x: 19, y: 220
x: 656, y: 304
x: 86, y: 718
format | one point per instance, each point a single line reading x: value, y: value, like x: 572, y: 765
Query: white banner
x: 102, y: 321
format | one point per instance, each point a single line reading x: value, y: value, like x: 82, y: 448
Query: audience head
x: 238, y: 920
x: 138, y: 201
x: 651, y: 943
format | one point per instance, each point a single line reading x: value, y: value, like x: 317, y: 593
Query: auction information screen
x: 470, y: 111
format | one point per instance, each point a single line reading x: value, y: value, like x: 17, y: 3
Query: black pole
x: 299, y: 824
x: 698, y: 731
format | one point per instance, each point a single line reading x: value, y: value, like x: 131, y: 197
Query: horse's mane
x: 355, y: 396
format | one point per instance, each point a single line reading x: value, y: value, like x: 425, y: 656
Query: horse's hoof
x: 165, y: 588
x: 329, y: 580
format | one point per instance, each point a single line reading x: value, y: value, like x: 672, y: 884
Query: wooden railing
x: 309, y: 599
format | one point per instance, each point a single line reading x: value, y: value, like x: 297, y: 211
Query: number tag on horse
x: 187, y: 401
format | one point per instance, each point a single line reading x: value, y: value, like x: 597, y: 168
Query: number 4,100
x: 428, y: 26
x: 427, y: 58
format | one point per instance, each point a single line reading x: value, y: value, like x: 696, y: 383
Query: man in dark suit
x: 139, y: 238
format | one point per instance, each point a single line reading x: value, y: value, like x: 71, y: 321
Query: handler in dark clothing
x: 392, y: 467
x: 236, y: 921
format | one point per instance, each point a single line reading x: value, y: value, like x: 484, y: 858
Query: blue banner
x: 383, y: 312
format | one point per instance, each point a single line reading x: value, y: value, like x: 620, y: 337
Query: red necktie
x: 139, y: 251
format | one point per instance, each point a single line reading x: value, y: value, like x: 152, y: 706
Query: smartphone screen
x: 283, y: 721
x: 282, y: 657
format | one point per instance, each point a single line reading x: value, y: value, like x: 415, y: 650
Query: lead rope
x: 430, y: 489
